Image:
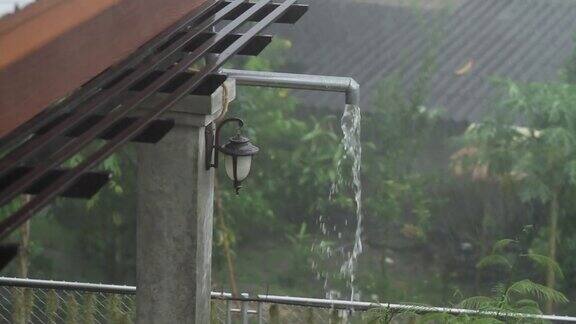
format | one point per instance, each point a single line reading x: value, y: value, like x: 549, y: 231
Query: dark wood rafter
x: 290, y: 16
x: 85, y: 186
x: 254, y: 47
x: 153, y: 133
x: 143, y: 78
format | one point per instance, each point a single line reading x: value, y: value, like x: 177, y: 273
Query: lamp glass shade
x: 242, y: 166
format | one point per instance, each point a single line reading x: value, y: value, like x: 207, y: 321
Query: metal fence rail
x: 44, y: 301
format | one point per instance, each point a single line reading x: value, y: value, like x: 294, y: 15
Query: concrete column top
x: 193, y: 110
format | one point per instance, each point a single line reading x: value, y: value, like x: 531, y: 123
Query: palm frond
x: 542, y: 293
x: 485, y: 320
x: 502, y: 244
x: 493, y: 261
x: 545, y: 262
x: 438, y: 318
x: 528, y: 306
x: 477, y: 302
x: 499, y: 289
x: 379, y: 315
x: 529, y: 310
x: 529, y: 303
x: 408, y: 316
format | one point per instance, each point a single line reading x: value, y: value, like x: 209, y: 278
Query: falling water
x: 351, y: 145
x: 350, y: 124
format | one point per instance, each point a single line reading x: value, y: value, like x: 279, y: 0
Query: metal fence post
x: 244, y: 306
x: 244, y: 312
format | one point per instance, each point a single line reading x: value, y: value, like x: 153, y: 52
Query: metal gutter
x: 298, y: 81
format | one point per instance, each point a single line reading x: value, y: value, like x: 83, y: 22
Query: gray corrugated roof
x: 526, y: 40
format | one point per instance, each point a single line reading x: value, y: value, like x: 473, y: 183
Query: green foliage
x: 494, y: 260
x: 113, y: 308
x: 89, y: 308
x: 274, y: 312
x: 52, y: 306
x: 477, y: 302
x: 385, y: 316
x: 501, y: 245
x: 72, y: 309
x: 529, y: 143
x: 516, y: 296
x: 528, y: 288
x: 379, y: 315
x: 541, y: 153
x: 310, y: 316
x: 23, y: 304
x: 544, y: 262
x: 522, y: 296
x: 399, y: 133
x: 102, y: 227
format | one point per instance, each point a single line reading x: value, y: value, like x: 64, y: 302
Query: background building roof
x: 525, y: 40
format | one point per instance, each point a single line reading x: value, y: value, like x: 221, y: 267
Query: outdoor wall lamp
x: 238, y: 152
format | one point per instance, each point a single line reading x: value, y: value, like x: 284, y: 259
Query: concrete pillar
x: 174, y: 228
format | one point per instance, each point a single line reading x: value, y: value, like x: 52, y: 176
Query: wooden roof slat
x: 153, y: 133
x: 84, y: 187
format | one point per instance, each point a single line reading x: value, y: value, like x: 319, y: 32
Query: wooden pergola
x: 66, y: 64
x: 77, y: 74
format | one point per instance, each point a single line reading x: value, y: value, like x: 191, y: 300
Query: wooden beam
x: 153, y: 133
x: 85, y: 187
x: 77, y: 40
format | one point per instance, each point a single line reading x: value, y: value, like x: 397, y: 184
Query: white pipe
x: 66, y: 285
x: 298, y: 81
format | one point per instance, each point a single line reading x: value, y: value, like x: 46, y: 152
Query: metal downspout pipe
x: 297, y: 81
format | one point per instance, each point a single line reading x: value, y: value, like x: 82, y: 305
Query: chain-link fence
x: 272, y: 313
x: 51, y: 306
x: 38, y: 306
x: 26, y: 301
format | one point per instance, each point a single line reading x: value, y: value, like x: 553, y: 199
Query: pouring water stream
x: 351, y: 143
x: 351, y: 128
